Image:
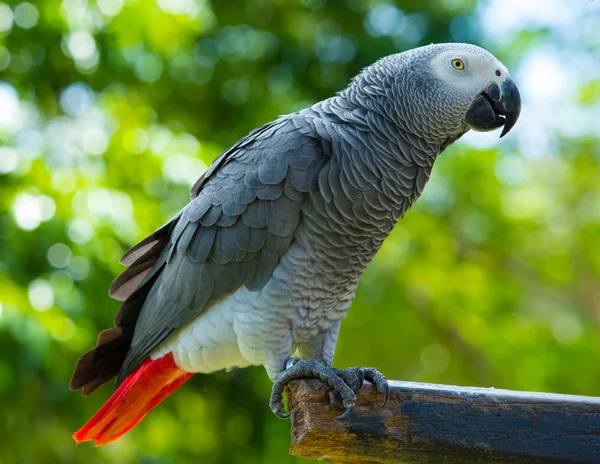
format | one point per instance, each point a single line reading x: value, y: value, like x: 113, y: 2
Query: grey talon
x: 386, y: 394
x: 380, y: 382
x: 282, y: 415
x: 346, y: 413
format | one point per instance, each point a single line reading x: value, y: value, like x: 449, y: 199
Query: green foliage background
x: 110, y: 109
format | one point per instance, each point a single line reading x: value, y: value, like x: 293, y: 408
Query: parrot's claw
x: 345, y: 383
x: 380, y: 382
x: 282, y: 415
x: 346, y: 413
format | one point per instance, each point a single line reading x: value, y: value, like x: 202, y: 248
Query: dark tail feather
x: 104, y: 362
x: 99, y: 365
x: 142, y: 248
x: 130, y: 279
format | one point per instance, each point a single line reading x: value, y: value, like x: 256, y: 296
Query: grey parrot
x: 262, y: 265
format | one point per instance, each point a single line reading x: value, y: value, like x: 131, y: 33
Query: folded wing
x: 241, y: 219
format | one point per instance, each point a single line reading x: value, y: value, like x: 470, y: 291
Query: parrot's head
x: 443, y: 90
x: 478, y: 85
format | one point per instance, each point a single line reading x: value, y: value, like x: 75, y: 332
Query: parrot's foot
x: 345, y: 383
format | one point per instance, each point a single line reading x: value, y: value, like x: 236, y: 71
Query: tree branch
x: 427, y: 423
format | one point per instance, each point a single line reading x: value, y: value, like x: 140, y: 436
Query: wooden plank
x: 433, y: 424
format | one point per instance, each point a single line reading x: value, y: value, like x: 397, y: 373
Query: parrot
x: 263, y: 263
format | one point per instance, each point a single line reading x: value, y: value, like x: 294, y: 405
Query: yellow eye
x: 458, y: 64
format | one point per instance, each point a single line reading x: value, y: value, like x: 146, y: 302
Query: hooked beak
x: 495, y: 107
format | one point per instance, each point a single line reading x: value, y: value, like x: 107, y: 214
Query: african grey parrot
x: 264, y: 261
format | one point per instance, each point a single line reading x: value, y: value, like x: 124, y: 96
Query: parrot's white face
x: 469, y: 70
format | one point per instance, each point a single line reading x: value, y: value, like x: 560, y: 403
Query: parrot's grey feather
x: 249, y: 238
x: 262, y: 270
x: 198, y: 209
x: 226, y: 220
x: 258, y: 237
x: 211, y: 217
x: 224, y: 246
x: 186, y: 237
x: 273, y: 173
x: 270, y: 192
x: 242, y: 198
x: 238, y: 204
x: 256, y: 215
x: 276, y: 244
x: 202, y: 244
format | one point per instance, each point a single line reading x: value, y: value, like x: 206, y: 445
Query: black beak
x: 495, y: 107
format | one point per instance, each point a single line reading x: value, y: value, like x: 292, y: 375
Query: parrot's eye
x: 458, y: 64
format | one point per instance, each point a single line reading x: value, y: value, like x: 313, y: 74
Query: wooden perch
x: 433, y: 424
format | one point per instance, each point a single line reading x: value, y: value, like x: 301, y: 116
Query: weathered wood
x: 432, y: 424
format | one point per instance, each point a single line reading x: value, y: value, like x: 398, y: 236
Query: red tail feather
x: 143, y: 389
